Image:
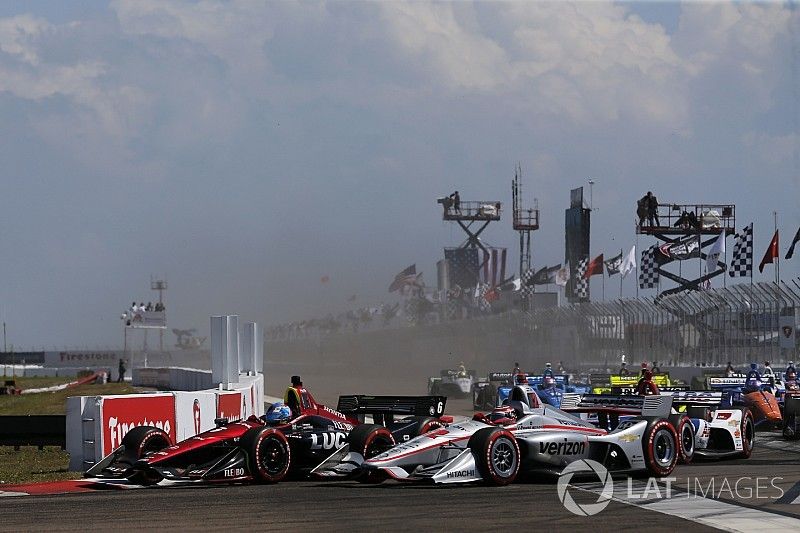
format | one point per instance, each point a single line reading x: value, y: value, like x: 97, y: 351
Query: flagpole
x: 778, y: 255
x: 604, y: 285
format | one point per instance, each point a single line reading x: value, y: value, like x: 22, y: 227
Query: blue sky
x: 246, y: 149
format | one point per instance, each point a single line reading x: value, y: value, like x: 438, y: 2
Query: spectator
x: 561, y: 369
x: 651, y: 202
x: 456, y: 202
x: 641, y: 210
x: 517, y: 369
x: 768, y: 372
x: 729, y: 370
x: 656, y: 369
x: 121, y: 369
x: 149, y: 306
x: 623, y: 371
x: 548, y: 370
x: 790, y: 368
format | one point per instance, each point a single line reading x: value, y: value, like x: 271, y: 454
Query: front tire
x: 748, y: 429
x: 497, y: 455
x: 686, y: 437
x: 370, y: 440
x: 660, y: 447
x: 269, y: 455
x: 140, y: 443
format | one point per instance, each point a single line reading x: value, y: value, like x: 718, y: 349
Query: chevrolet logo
x: 629, y: 437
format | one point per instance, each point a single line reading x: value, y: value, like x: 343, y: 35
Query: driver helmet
x: 548, y: 365
x: 791, y: 375
x: 503, y: 415
x: 753, y: 366
x: 278, y: 413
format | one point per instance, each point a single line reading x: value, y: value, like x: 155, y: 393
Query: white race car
x: 523, y: 436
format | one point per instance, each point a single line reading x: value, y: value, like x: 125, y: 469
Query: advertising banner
x: 231, y: 405
x: 120, y: 414
x: 195, y: 412
x: 607, y: 327
x: 94, y: 359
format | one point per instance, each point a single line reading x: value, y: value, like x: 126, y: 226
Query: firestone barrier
x: 97, y: 424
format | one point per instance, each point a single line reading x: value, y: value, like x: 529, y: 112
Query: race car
x: 455, y: 383
x: 269, y: 449
x: 738, y: 391
x: 791, y: 407
x: 703, y: 426
x: 523, y: 436
x: 603, y: 383
x: 484, y: 391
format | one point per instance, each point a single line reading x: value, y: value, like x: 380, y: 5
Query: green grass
x: 29, y: 464
x: 35, y: 383
x: 55, y: 403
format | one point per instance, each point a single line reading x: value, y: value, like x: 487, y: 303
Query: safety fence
x: 741, y: 323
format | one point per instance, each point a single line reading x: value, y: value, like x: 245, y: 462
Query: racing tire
x: 748, y: 429
x: 660, y: 447
x: 370, y: 440
x: 791, y: 431
x: 497, y: 455
x: 269, y: 456
x: 140, y: 442
x: 426, y: 424
x: 686, y: 437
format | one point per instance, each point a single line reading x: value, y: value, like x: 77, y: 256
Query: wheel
x: 748, y: 430
x: 370, y: 440
x: 660, y: 447
x: 269, y: 455
x: 426, y: 424
x: 685, y: 431
x: 141, y: 442
x: 497, y: 455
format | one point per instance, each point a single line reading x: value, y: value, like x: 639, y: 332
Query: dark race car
x: 269, y: 449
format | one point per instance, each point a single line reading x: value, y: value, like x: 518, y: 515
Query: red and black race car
x: 269, y: 451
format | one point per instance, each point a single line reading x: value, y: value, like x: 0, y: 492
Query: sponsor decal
x: 233, y: 472
x: 327, y: 441
x: 120, y: 415
x: 460, y: 473
x: 562, y: 448
x: 630, y: 437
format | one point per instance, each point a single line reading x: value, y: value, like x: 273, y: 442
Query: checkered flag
x: 742, y: 263
x: 581, y: 287
x: 648, y: 274
x: 526, y: 289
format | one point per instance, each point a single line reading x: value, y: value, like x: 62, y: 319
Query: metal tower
x: 525, y: 221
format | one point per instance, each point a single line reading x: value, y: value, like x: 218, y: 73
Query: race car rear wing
x: 653, y: 405
x: 726, y: 382
x: 386, y: 407
x: 632, y: 390
x: 697, y: 398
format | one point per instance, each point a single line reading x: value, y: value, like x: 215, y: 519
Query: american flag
x: 463, y: 266
x: 404, y: 277
x: 493, y: 268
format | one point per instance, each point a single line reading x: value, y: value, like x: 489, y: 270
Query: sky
x: 243, y: 150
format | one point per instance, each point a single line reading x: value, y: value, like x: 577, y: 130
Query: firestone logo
x: 120, y: 429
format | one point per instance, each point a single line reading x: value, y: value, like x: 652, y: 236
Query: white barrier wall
x: 172, y: 378
x: 97, y: 424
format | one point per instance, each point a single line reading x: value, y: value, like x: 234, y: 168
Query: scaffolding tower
x: 525, y: 221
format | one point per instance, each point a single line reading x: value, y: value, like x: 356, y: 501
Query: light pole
x: 591, y: 194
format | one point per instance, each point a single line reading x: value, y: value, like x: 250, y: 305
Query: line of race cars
x: 537, y: 426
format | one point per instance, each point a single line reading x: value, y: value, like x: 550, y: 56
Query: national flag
x: 594, y: 267
x: 614, y: 264
x: 717, y: 249
x: 493, y: 268
x: 790, y: 252
x: 404, y: 277
x: 629, y: 263
x: 563, y: 275
x: 463, y: 266
x: 545, y: 275
x: 771, y: 253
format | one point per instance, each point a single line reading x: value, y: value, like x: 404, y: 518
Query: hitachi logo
x: 461, y: 473
x: 562, y: 448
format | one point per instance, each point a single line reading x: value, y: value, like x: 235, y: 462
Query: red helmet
x: 503, y: 415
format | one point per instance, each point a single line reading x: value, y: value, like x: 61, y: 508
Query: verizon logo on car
x: 120, y: 415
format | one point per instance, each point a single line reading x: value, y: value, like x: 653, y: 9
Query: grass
x: 55, y: 403
x: 29, y: 464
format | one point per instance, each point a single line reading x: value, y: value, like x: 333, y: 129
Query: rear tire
x: 686, y: 435
x: 427, y: 424
x: 748, y: 430
x: 269, y: 455
x: 497, y: 455
x: 141, y: 442
x: 660, y: 447
x: 370, y: 440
